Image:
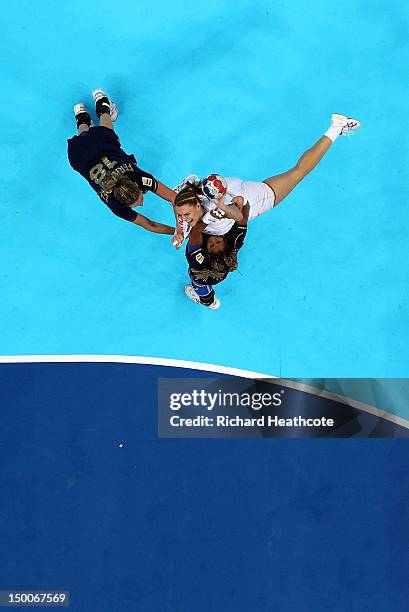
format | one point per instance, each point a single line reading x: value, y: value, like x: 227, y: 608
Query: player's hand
x: 238, y: 201
x: 177, y: 240
x: 217, y: 201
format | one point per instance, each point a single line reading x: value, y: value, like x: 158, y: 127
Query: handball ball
x: 214, y: 186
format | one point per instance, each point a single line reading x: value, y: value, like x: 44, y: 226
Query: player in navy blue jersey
x: 212, y: 257
x: 97, y: 155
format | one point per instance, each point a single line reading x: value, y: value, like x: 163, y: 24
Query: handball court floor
x: 241, y: 89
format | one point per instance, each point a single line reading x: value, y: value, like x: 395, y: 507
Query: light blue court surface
x: 236, y: 88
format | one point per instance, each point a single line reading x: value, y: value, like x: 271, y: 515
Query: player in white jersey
x: 218, y: 219
x: 216, y: 216
x: 215, y: 201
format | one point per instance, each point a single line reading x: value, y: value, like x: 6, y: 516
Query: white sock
x: 333, y: 132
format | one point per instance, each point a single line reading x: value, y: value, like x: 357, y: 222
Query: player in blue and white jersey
x: 211, y: 257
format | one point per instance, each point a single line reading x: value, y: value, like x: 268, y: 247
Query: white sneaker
x: 346, y: 125
x: 192, y: 295
x: 192, y: 179
x: 81, y: 108
x: 113, y: 110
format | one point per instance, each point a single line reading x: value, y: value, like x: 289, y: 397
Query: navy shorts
x: 87, y: 148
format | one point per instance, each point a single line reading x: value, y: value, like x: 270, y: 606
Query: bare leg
x: 282, y: 184
x: 83, y: 127
x: 106, y: 121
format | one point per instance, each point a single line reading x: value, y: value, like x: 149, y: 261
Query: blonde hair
x: 124, y: 189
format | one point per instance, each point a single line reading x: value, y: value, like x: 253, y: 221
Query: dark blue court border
x: 188, y: 525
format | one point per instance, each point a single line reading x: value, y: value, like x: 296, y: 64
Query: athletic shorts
x: 88, y: 147
x: 260, y: 196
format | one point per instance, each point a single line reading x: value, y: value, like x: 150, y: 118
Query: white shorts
x: 260, y: 196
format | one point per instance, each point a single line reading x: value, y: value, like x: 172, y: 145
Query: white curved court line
x: 161, y: 361
x: 207, y: 367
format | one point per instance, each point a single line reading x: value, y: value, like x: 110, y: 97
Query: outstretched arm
x: 169, y: 195
x: 153, y: 226
x: 165, y: 193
